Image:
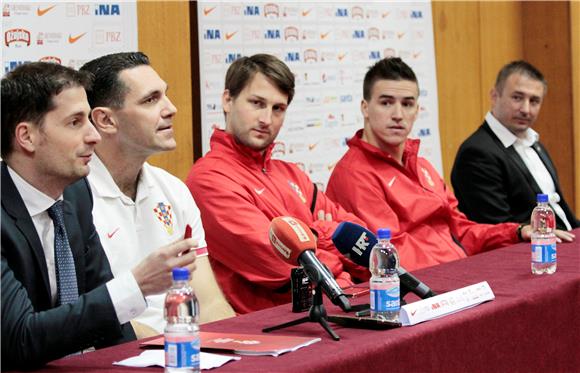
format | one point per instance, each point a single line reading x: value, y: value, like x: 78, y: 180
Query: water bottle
x: 543, y: 237
x: 384, y: 284
x: 182, y: 329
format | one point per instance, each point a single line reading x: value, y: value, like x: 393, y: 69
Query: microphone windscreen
x: 354, y: 241
x: 290, y: 237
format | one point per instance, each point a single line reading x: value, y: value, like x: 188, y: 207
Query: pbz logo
x: 107, y: 10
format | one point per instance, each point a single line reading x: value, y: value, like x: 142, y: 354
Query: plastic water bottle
x: 182, y: 329
x: 385, y: 287
x: 543, y: 237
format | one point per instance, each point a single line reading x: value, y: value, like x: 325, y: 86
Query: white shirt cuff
x: 126, y: 297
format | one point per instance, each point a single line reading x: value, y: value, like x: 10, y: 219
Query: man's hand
x: 153, y: 274
x: 560, y: 235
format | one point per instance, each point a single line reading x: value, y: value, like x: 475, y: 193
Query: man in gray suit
x: 58, y: 294
x: 501, y: 167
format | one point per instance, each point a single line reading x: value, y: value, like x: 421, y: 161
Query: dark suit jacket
x: 33, y: 332
x: 493, y: 184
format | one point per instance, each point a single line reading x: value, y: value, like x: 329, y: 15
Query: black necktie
x: 66, y: 277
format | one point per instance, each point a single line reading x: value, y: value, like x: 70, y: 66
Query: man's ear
x: 104, y: 120
x: 364, y: 108
x: 27, y: 136
x: 493, y: 95
x: 227, y: 101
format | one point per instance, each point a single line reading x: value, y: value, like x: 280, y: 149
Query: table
x: 533, y: 325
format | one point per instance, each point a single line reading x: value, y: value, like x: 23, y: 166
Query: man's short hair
x: 390, y: 68
x: 27, y: 95
x: 519, y: 67
x: 242, y: 71
x: 107, y: 89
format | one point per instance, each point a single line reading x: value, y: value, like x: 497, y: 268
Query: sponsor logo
x: 374, y: 55
x: 416, y: 14
x: 74, y: 10
x: 385, y: 14
x: 279, y: 149
x: 51, y: 59
x: 17, y: 37
x: 271, y: 10
x: 292, y: 57
x: 232, y: 10
x: 230, y: 35
x: 74, y: 39
x: 272, y: 34
x: 107, y: 10
x: 282, y: 249
x: 252, y: 10
x: 108, y: 37
x: 6, y: 10
x: 208, y: 10
x: 345, y: 98
x: 42, y: 11
x: 44, y: 38
x: 390, y: 183
x: 112, y: 233
x: 212, y: 34
x: 11, y: 65
x: 358, y: 34
x: 164, y: 215
x: 324, y: 35
x: 231, y: 57
x: 306, y: 13
x: 296, y: 189
x: 427, y: 177
x: 389, y: 52
x: 291, y: 12
x: 341, y: 12
x: 400, y: 35
x: 310, y: 55
x: 259, y: 191
x: 291, y: 33
x: 361, y: 244
x: 297, y: 228
x: 424, y: 132
x: 374, y: 33
x: 357, y: 12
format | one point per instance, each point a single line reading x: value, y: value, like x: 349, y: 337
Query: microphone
x: 295, y: 243
x: 356, y: 242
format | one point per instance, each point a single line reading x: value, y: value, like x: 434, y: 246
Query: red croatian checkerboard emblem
x: 164, y: 215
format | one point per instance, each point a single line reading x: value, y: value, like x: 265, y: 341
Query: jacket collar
x: 409, y: 153
x: 225, y: 142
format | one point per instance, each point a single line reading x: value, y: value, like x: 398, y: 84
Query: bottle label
x: 544, y: 250
x: 385, y: 296
x: 182, y: 351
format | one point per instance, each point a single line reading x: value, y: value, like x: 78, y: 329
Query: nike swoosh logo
x: 341, y: 56
x: 390, y: 184
x: 207, y: 11
x: 400, y: 34
x: 413, y: 312
x: 230, y: 35
x: 74, y: 39
x: 259, y: 191
x: 41, y: 12
x: 110, y: 235
x: 305, y: 13
x: 324, y: 35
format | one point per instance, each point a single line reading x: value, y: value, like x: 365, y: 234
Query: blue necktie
x: 66, y: 277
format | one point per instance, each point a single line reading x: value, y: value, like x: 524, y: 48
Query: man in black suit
x: 58, y: 294
x: 501, y: 168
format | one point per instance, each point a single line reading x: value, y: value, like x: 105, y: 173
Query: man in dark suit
x: 58, y: 294
x: 501, y: 168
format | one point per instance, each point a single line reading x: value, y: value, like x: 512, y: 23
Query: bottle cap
x: 384, y: 233
x: 542, y: 198
x: 180, y: 274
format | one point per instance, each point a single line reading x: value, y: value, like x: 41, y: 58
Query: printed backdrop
x: 329, y: 47
x: 68, y: 33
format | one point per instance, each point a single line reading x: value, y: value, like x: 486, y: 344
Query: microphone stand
x: 317, y: 313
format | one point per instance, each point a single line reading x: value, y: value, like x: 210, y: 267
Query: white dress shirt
x: 125, y: 294
x: 531, y: 159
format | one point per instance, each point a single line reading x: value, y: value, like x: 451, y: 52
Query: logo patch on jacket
x: 428, y: 177
x: 164, y: 215
x: 296, y: 189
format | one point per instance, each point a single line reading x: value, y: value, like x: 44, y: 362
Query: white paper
x: 445, y: 304
x: 149, y: 358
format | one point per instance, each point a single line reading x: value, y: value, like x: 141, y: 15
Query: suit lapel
x: 14, y: 206
x: 515, y: 158
x: 546, y: 161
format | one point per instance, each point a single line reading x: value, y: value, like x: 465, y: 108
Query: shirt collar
x: 410, y: 151
x: 36, y: 202
x: 506, y: 137
x: 220, y: 139
x: 105, y: 186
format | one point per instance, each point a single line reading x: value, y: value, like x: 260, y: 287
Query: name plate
x: 445, y: 304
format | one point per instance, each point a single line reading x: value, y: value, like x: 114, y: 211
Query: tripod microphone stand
x: 317, y: 313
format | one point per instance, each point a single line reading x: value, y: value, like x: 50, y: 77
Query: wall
x: 472, y: 41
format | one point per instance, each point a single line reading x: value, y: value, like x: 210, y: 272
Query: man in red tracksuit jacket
x: 239, y: 189
x: 383, y: 181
